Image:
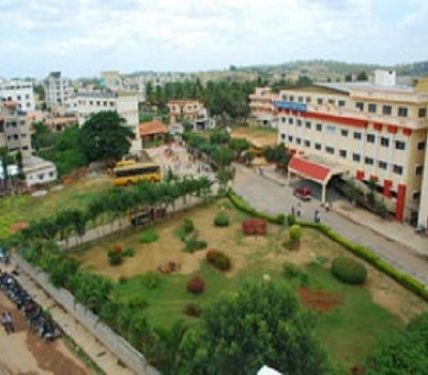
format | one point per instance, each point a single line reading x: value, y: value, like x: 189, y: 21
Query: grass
x: 27, y: 208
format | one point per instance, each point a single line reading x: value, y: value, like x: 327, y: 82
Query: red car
x: 303, y: 193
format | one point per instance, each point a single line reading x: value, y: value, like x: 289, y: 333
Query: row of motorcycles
x: 38, y: 320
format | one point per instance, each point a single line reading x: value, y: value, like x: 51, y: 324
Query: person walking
x: 4, y: 322
x: 317, y: 217
x: 293, y: 211
x: 10, y: 322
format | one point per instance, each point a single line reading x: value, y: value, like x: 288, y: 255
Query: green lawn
x: 27, y: 208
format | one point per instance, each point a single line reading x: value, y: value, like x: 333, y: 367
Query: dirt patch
x: 319, y: 300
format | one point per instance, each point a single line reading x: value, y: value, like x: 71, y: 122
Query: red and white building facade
x: 365, y: 130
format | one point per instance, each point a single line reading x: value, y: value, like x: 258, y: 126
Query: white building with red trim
x: 366, y: 130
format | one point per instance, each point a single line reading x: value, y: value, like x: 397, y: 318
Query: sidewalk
x: 391, y: 230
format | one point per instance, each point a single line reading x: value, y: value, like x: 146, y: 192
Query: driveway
x: 269, y: 196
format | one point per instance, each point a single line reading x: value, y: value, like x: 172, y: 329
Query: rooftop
x: 152, y: 127
x: 348, y: 87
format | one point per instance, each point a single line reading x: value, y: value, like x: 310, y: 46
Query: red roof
x: 309, y: 169
x: 152, y: 127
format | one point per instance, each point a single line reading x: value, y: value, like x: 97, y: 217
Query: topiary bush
x: 291, y: 220
x: 114, y: 258
x: 196, y: 285
x: 219, y: 260
x: 192, y: 309
x: 188, y: 226
x: 349, y: 271
x: 194, y: 243
x: 148, y: 236
x: 295, y: 233
x: 221, y: 220
x: 128, y: 252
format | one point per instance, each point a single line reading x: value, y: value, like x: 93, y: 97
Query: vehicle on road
x: 128, y: 172
x: 303, y: 193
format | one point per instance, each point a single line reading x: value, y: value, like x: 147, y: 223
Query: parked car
x: 303, y: 193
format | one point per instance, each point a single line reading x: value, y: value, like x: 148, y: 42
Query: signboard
x: 293, y: 106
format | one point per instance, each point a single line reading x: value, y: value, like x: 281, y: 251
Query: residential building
x: 58, y: 91
x: 364, y: 130
x: 152, y: 131
x: 21, y: 92
x: 192, y: 112
x: 58, y: 124
x: 38, y: 171
x: 262, y: 108
x: 112, y: 80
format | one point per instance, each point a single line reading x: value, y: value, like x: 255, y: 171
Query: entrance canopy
x: 314, y: 168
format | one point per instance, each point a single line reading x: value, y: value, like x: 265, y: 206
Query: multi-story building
x: 262, y: 108
x: 58, y: 91
x: 20, y: 92
x: 367, y: 130
x: 190, y: 111
x: 112, y: 80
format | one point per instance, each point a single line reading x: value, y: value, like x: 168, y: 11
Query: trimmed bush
x: 148, y: 236
x: 349, y: 271
x: 114, y: 258
x: 295, y: 233
x: 221, y: 220
x: 188, y: 226
x: 219, y: 260
x: 192, y: 309
x: 291, y: 220
x: 196, y: 285
x: 151, y: 280
x: 128, y: 252
x: 193, y: 244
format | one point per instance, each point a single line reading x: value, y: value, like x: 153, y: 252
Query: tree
x: 261, y: 324
x: 351, y: 191
x: 402, y: 353
x: 362, y: 76
x: 239, y: 145
x: 348, y: 77
x: 222, y: 156
x: 105, y: 136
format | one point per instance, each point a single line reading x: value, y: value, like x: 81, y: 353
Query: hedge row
x: 243, y: 205
x: 368, y: 255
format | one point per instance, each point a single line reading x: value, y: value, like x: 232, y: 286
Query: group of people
x: 7, y: 322
x: 298, y: 212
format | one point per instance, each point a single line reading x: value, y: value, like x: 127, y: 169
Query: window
x: 91, y: 102
x: 421, y: 145
x: 344, y: 133
x: 342, y: 153
x: 400, y: 145
x: 384, y: 141
x: 356, y: 157
x: 386, y: 110
x: 357, y: 135
x: 341, y: 103
x: 372, y: 108
x: 283, y: 119
x: 319, y: 127
x: 368, y: 161
x: 319, y: 101
x: 402, y: 111
x: 307, y: 143
x: 308, y: 99
x: 290, y: 138
x: 284, y: 97
x: 329, y: 150
x: 417, y: 195
x: 41, y: 176
x: 330, y: 129
x: 371, y: 138
x: 291, y: 98
x: 299, y: 122
x: 422, y: 112
x: 419, y: 170
x: 299, y: 141
x: 317, y: 146
x: 360, y: 106
x: 331, y: 101
x: 283, y: 136
x: 397, y: 169
x: 382, y: 165
x: 290, y: 120
x: 300, y: 99
x: 308, y: 124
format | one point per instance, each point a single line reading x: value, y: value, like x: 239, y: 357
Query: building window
x: 371, y: 138
x: 400, y: 145
x: 356, y: 157
x: 307, y: 143
x: 319, y: 101
x: 299, y: 122
x: 300, y: 99
x: 319, y: 127
x: 299, y: 141
x: 330, y: 129
x: 291, y: 98
x: 283, y: 136
x: 342, y: 153
x: 329, y: 150
x: 421, y: 145
x: 372, y: 108
x: 308, y: 124
x: 331, y: 101
x: 417, y: 195
x: 357, y: 135
x: 382, y: 165
x: 419, y: 170
x: 90, y: 102
x: 283, y: 119
x: 397, y: 169
x: 290, y: 120
x: 360, y: 106
x: 384, y: 141
x: 402, y: 111
x: 344, y: 133
x: 422, y: 112
x: 317, y: 146
x: 341, y: 103
x: 308, y: 99
x: 386, y: 109
x: 368, y: 161
x: 41, y: 176
x: 290, y: 138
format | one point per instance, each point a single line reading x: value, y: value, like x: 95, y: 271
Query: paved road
x: 269, y: 196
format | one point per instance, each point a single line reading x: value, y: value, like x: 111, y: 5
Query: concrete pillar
x: 324, y: 192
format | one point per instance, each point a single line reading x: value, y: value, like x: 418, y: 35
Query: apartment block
x: 364, y: 130
x: 191, y: 111
x: 21, y: 92
x: 58, y: 91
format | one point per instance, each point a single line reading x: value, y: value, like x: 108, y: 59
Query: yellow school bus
x: 129, y: 172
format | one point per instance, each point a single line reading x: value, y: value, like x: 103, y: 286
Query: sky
x: 84, y: 37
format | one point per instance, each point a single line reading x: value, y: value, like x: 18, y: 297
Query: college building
x: 191, y: 111
x: 373, y: 130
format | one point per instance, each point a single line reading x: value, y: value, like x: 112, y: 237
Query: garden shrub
x: 151, y: 280
x: 60, y: 274
x: 118, y: 249
x: 196, y: 285
x: 192, y: 309
x: 114, y: 258
x: 348, y: 270
x: 128, y: 252
x: 291, y: 220
x: 254, y: 226
x: 148, y: 236
x: 194, y: 243
x: 219, y: 260
x: 295, y: 233
x: 221, y: 220
x: 188, y: 226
